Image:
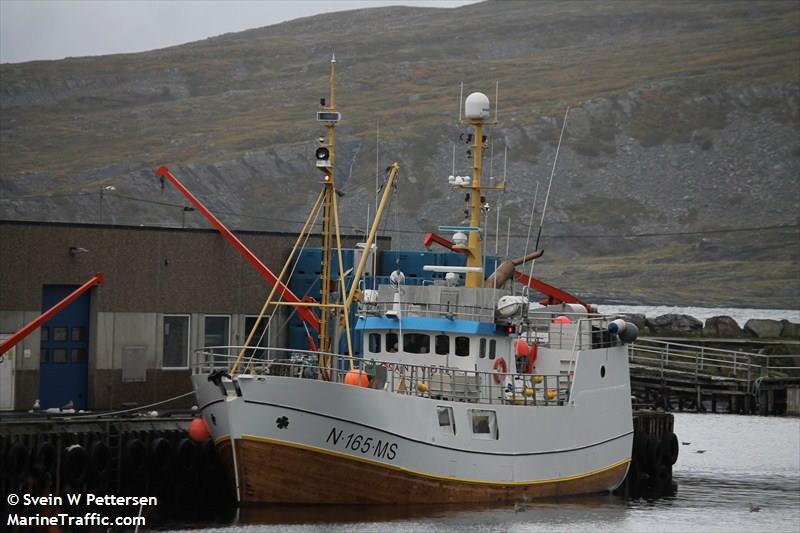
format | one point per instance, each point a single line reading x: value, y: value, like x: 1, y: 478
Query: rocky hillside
x: 677, y: 181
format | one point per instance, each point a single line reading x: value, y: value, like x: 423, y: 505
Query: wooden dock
x: 693, y: 376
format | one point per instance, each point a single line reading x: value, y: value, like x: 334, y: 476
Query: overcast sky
x: 54, y: 29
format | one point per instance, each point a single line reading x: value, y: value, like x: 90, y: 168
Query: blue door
x: 64, y: 356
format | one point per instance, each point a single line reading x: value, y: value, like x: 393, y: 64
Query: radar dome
x: 476, y: 107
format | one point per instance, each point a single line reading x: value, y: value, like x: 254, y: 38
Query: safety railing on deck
x: 434, y: 382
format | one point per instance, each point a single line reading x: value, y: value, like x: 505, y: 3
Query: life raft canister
x: 500, y: 364
x: 529, y: 351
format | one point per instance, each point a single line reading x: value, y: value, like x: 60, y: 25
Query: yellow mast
x: 477, y: 118
x: 475, y: 257
x: 327, y: 222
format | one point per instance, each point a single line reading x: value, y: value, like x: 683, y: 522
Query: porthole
x: 603, y: 371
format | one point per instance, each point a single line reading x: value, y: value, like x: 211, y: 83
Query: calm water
x: 747, y: 478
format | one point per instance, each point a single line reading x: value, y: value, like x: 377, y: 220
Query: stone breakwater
x: 722, y: 327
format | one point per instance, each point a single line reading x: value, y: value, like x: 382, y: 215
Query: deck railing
x: 434, y: 382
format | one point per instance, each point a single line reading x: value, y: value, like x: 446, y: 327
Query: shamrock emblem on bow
x: 282, y: 422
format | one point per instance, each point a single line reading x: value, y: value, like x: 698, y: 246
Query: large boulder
x: 674, y: 323
x: 763, y: 328
x: 722, y: 327
x: 637, y: 318
x: 790, y: 329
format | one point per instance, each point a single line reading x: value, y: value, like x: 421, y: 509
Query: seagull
x: 37, y: 405
x: 701, y: 451
x: 68, y: 405
x: 686, y: 443
x: 518, y: 508
x: 754, y: 508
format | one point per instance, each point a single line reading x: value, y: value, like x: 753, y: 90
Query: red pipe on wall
x: 305, y: 313
x: 97, y: 279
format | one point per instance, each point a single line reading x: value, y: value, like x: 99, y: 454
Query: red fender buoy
x: 198, y: 430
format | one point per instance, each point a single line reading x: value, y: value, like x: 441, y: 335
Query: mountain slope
x: 684, y: 121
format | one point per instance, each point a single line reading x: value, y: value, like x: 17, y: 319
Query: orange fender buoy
x: 359, y: 378
x: 198, y: 430
x: 501, y: 365
x: 530, y: 351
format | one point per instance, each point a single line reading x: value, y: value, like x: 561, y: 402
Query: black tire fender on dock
x: 654, y: 454
x: 640, y: 450
x: 75, y: 464
x: 187, y: 454
x: 17, y: 458
x: 160, y: 454
x: 671, y: 448
x: 134, y: 455
x: 45, y: 457
x: 99, y: 458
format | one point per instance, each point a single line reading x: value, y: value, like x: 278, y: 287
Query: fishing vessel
x: 465, y: 390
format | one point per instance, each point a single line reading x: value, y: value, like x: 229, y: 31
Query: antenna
x: 491, y: 161
x: 460, y: 99
x: 377, y: 159
x: 549, y: 185
x: 505, y: 161
x: 453, y: 171
x: 496, y: 100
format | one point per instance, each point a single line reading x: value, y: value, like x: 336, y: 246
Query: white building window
x: 176, y: 341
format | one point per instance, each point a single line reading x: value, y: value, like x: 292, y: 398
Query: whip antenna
x: 549, y: 185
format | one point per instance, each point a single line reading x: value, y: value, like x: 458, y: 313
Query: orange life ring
x: 500, y: 363
x: 523, y: 349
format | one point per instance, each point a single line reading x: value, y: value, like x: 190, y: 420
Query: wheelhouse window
x: 447, y: 422
x: 462, y: 346
x: 484, y: 424
x: 492, y: 349
x: 416, y: 343
x: 176, y: 341
x: 442, y: 344
x: 482, y: 348
x: 391, y: 342
x: 374, y: 342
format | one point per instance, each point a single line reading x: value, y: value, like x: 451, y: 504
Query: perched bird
x: 37, y: 405
x: 701, y: 451
x: 686, y: 443
x: 68, y: 405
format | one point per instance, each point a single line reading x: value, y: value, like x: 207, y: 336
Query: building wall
x: 149, y: 272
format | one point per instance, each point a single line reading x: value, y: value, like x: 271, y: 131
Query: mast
x: 477, y: 112
x: 330, y: 117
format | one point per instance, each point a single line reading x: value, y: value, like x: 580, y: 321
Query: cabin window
x: 482, y: 349
x: 447, y: 422
x: 484, y: 424
x: 391, y: 342
x: 374, y: 342
x: 462, y: 346
x: 442, y: 344
x: 492, y: 349
x: 416, y: 343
